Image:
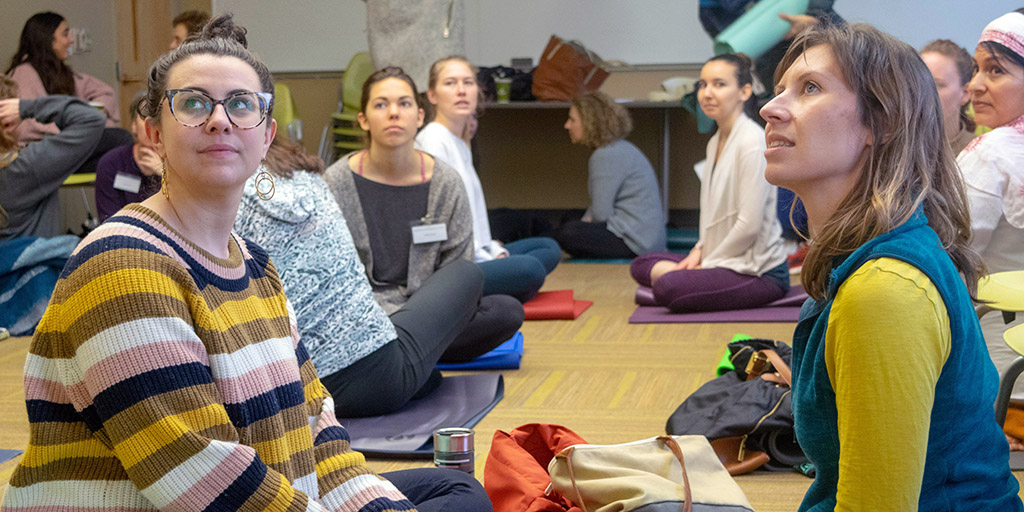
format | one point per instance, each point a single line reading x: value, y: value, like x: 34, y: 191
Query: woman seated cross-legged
x: 739, y: 260
x: 409, y: 219
x: 167, y: 372
x: 371, y: 362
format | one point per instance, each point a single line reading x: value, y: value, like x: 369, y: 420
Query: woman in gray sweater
x: 409, y: 216
x: 625, y: 217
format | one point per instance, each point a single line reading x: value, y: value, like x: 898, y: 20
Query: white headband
x: 1007, y: 30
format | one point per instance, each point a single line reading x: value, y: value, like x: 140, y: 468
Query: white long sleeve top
x: 739, y: 229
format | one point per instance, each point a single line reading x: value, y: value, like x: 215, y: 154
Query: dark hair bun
x: 224, y: 27
x: 745, y: 59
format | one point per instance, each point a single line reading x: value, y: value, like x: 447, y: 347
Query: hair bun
x: 224, y: 27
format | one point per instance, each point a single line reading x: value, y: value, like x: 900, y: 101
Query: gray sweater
x: 624, y: 193
x: 29, y: 184
x: 446, y: 203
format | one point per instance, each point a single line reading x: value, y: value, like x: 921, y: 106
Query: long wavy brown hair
x: 286, y: 156
x: 604, y: 121
x: 910, y: 163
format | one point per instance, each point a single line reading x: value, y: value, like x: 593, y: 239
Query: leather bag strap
x: 780, y: 366
x: 678, y: 452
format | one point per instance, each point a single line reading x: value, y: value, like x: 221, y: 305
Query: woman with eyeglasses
x: 167, y: 372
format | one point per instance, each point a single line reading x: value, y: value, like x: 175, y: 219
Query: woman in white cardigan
x: 739, y: 261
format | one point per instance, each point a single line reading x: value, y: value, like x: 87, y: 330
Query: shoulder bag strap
x: 678, y: 452
x: 572, y: 478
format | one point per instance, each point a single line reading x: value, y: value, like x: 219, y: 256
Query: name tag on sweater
x: 127, y: 183
x: 429, y: 233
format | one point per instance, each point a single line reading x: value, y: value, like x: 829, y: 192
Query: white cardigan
x: 739, y: 229
x: 440, y: 142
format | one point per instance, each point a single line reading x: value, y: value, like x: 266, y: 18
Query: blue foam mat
x: 506, y: 356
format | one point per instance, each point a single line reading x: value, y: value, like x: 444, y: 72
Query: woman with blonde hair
x: 625, y: 217
x: 952, y: 67
x: 516, y: 268
x: 892, y: 384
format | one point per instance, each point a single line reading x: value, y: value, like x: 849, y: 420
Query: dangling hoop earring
x: 264, y: 182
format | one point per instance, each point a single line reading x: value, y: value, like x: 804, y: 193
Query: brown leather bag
x: 566, y: 70
x: 732, y: 450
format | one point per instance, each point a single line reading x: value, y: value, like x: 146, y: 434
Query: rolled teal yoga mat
x: 758, y: 29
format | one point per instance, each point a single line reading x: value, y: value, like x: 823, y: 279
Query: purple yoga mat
x: 795, y: 297
x: 786, y: 309
x: 660, y: 315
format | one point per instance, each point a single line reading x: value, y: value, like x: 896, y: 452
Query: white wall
x: 96, y: 16
x: 301, y: 35
x: 921, y: 21
x: 321, y: 35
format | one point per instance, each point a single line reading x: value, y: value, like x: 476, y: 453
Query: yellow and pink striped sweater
x: 162, y: 377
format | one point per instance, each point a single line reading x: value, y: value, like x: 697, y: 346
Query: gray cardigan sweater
x: 446, y: 203
x: 624, y: 193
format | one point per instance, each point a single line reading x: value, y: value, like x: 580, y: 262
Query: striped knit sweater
x: 162, y: 377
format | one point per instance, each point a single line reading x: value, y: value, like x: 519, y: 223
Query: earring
x: 163, y: 181
x: 264, y: 182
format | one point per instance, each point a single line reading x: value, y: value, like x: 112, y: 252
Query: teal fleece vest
x: 967, y: 467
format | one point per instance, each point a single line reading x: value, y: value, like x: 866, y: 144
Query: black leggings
x: 591, y: 240
x: 440, y: 311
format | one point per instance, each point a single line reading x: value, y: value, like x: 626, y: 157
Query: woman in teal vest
x: 892, y: 384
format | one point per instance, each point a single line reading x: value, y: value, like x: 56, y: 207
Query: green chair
x: 346, y: 135
x: 285, y: 113
x: 1004, y: 292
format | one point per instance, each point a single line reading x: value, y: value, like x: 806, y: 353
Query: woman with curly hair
x: 739, y: 260
x: 624, y: 218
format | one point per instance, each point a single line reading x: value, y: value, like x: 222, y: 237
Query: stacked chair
x: 345, y: 135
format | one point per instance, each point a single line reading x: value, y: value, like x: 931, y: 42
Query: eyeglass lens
x: 193, y: 108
